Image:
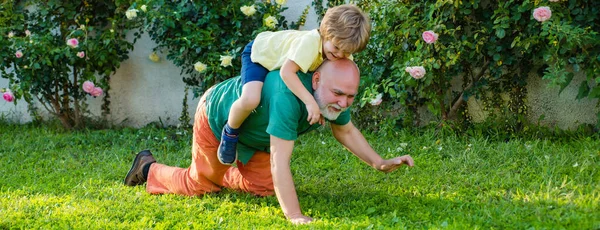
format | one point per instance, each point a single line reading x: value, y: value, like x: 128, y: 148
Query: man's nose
x: 343, y: 103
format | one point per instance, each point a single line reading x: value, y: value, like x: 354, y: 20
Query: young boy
x: 344, y: 30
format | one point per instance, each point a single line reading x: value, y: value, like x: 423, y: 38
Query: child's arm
x: 292, y: 81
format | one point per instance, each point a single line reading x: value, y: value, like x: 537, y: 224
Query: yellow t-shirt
x: 272, y: 49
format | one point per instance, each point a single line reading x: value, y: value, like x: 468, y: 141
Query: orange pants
x: 206, y: 173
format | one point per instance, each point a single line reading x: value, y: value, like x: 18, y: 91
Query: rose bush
x: 205, y: 38
x: 51, y: 47
x: 485, y: 47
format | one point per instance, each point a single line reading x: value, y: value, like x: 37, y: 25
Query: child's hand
x: 314, y: 114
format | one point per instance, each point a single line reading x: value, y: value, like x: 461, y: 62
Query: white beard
x: 324, y: 108
x: 331, y: 115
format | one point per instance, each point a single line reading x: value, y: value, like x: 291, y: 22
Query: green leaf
x: 371, y: 210
x: 595, y: 93
x: 392, y: 92
x: 541, y: 118
x: 431, y: 108
x: 517, y: 39
x: 566, y: 82
x: 500, y: 33
x: 516, y: 17
x: 496, y: 57
x: 584, y: 90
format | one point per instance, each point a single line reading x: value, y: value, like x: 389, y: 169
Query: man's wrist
x: 293, y: 215
x: 378, y: 164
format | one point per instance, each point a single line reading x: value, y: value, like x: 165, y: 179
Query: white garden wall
x: 143, y: 91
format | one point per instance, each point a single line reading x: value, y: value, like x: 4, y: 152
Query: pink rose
x: 97, y: 91
x: 80, y: 54
x: 417, y: 72
x: 8, y: 96
x: 430, y: 36
x: 542, y: 13
x: 19, y: 54
x: 553, y: 0
x: 88, y: 86
x: 73, y: 43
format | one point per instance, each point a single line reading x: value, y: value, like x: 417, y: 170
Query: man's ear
x: 316, y: 77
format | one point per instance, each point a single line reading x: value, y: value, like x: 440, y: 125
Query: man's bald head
x: 343, y: 68
x: 335, y: 85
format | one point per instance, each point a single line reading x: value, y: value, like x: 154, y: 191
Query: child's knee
x: 250, y: 101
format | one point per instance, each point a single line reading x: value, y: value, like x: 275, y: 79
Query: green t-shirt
x: 280, y: 113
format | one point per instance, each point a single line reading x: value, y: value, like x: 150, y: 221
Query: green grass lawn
x: 58, y: 180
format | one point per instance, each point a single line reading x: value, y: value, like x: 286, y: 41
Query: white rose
x: 271, y: 22
x: 280, y: 2
x: 248, y: 10
x: 377, y: 100
x: 131, y: 14
x: 144, y: 8
x: 226, y: 60
x: 200, y: 67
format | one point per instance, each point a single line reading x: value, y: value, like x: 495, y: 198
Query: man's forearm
x: 281, y: 151
x: 349, y: 136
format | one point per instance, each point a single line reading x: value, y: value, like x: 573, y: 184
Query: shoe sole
x: 135, y: 162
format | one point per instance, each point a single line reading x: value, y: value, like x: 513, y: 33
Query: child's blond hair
x: 347, y: 27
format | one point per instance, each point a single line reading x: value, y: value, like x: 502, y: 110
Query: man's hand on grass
x: 300, y: 219
x: 394, y: 163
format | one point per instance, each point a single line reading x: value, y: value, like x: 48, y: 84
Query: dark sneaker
x: 136, y: 176
x: 227, y: 153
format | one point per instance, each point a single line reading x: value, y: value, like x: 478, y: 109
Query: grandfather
x: 273, y: 127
